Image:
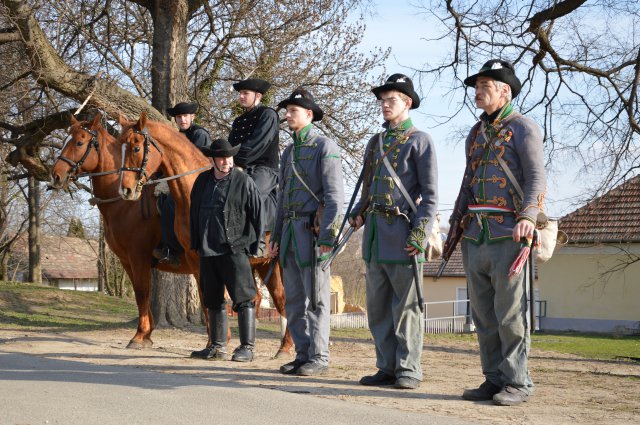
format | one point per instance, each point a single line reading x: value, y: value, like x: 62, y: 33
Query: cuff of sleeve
x: 524, y: 217
x: 415, y: 245
x: 324, y: 243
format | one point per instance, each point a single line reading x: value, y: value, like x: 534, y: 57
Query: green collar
x: 491, y: 128
x: 395, y: 132
x: 302, y: 136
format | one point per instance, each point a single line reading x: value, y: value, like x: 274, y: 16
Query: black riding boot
x: 247, y: 329
x: 218, y: 327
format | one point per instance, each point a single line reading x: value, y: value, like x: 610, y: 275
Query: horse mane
x: 185, y: 143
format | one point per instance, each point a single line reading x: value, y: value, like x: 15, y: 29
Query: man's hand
x: 325, y: 249
x: 411, y: 250
x: 272, y: 249
x: 523, y: 229
x: 357, y: 222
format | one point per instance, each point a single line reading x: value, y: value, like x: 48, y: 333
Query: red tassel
x: 520, y: 261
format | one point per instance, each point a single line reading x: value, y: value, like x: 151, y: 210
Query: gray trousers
x: 309, y: 329
x: 499, y: 311
x: 395, y: 319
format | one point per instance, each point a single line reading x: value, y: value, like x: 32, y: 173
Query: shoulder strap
x: 510, y: 175
x: 502, y: 162
x: 393, y: 174
x: 295, y: 171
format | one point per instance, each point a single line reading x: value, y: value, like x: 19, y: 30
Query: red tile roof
x: 454, y: 267
x: 63, y: 257
x: 613, y: 217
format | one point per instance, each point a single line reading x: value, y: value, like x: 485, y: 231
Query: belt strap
x: 385, y: 209
x: 298, y: 214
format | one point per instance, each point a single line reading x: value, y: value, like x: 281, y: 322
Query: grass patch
x: 30, y: 306
x: 592, y: 346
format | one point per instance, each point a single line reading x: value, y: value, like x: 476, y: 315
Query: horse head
x: 81, y: 151
x: 141, y: 157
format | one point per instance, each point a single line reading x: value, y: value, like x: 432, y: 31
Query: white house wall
x: 583, y: 294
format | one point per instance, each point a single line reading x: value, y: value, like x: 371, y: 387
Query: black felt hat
x: 183, y: 108
x: 401, y: 83
x: 253, y: 84
x: 220, y: 148
x: 499, y: 70
x: 301, y: 97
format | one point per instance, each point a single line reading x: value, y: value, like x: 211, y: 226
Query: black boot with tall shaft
x: 247, y: 329
x: 218, y: 327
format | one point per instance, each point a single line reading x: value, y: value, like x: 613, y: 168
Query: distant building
x: 593, y: 283
x: 67, y: 262
x: 451, y: 286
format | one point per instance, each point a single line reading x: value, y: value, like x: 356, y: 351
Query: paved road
x: 37, y: 390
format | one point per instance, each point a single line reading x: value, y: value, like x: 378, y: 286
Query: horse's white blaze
x: 120, y: 191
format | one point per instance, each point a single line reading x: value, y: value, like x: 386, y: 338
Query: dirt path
x: 570, y: 390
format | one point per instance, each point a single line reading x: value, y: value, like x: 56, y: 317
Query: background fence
x: 457, y: 322
x: 448, y: 324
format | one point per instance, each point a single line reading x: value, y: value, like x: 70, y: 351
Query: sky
x: 399, y: 24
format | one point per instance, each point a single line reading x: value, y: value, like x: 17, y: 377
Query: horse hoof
x: 140, y: 345
x: 282, y: 354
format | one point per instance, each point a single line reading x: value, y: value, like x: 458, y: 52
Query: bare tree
x: 124, y: 53
x: 127, y: 56
x: 33, y: 198
x: 581, y: 66
x: 351, y: 268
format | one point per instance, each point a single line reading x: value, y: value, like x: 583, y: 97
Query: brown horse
x: 132, y: 231
x: 152, y: 146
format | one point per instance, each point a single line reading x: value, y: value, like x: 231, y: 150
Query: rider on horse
x: 256, y: 132
x: 170, y: 249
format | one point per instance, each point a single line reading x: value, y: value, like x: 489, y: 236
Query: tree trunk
x: 169, y: 61
x: 101, y: 259
x: 174, y: 299
x: 35, y: 270
x: 4, y: 266
x: 4, y: 253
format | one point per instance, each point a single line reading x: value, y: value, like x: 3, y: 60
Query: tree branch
x: 50, y: 70
x: 554, y: 12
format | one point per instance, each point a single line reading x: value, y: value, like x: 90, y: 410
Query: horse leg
x: 257, y: 300
x: 140, y: 278
x: 276, y: 289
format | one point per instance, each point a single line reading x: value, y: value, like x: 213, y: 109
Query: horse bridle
x: 93, y: 143
x: 142, y: 169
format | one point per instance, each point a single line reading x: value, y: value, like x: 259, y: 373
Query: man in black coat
x: 170, y: 249
x: 225, y: 225
x: 256, y: 132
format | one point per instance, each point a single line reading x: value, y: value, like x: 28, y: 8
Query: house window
x: 461, y: 301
